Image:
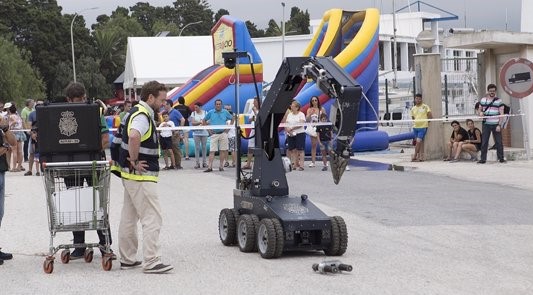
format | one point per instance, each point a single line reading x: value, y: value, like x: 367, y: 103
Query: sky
x: 480, y: 14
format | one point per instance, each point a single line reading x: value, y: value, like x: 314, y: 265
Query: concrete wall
x: 428, y: 68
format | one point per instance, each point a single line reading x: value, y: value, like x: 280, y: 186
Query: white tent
x: 169, y: 60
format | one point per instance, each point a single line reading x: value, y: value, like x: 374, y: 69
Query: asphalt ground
x: 433, y: 228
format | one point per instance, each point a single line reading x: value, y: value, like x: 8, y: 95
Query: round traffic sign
x: 516, y: 77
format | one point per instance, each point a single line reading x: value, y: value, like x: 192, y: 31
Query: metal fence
x: 459, y: 86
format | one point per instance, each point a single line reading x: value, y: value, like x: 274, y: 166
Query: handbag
x: 311, y: 131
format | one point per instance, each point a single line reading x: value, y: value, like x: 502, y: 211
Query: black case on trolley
x: 69, y: 132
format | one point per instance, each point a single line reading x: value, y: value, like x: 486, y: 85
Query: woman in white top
x: 251, y: 141
x: 199, y: 135
x: 314, y: 112
x: 295, y: 136
x: 15, y: 125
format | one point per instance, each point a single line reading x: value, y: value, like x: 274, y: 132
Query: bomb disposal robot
x: 265, y: 217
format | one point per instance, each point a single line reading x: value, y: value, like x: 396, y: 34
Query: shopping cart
x: 77, y: 197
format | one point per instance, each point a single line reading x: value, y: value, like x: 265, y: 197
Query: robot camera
x: 230, y: 58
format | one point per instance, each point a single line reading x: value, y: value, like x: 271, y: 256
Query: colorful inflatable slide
x: 217, y: 81
x: 352, y: 38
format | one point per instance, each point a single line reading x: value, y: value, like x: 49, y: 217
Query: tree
x: 189, y: 11
x: 220, y: 13
x: 112, y: 43
x: 18, y: 80
x: 273, y: 29
x: 107, y: 51
x: 95, y: 83
x: 254, y: 32
x: 299, y: 22
x: 145, y: 14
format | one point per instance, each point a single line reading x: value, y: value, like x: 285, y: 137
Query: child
x: 325, y: 134
x: 35, y: 148
x: 231, y: 141
x: 165, y: 139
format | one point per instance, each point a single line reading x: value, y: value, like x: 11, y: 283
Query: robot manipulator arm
x: 333, y: 81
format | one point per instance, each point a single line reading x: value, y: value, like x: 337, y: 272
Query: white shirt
x: 295, y: 119
x: 141, y: 123
x: 166, y: 133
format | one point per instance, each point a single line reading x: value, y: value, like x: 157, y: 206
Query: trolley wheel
x: 227, y: 227
x: 65, y: 256
x: 107, y: 263
x: 246, y: 233
x: 279, y: 237
x: 88, y: 255
x: 266, y: 238
x: 48, y: 265
x: 339, y: 237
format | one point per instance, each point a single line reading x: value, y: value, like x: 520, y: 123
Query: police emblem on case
x: 67, y: 123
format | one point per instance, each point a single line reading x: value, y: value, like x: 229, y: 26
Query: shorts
x: 326, y: 146
x: 296, y: 142
x: 420, y: 133
x: 231, y: 143
x: 219, y: 142
x: 20, y: 135
x: 166, y: 142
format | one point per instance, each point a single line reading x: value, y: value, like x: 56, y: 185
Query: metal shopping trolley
x: 77, y: 197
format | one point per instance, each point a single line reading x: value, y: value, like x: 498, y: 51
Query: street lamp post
x: 72, y: 39
x: 189, y: 24
x: 283, y: 33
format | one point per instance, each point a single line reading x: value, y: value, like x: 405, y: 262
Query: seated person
x: 459, y: 135
x: 472, y: 145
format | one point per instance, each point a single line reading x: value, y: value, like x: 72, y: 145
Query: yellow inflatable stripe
x: 219, y: 74
x: 335, y: 20
x: 362, y: 40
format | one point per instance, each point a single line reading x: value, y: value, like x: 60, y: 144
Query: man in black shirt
x: 186, y: 113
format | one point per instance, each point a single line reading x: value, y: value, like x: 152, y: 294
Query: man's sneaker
x: 130, y: 265
x: 5, y: 256
x: 481, y: 162
x: 324, y: 168
x: 312, y: 165
x: 204, y: 165
x: 502, y: 161
x: 347, y: 168
x: 77, y: 254
x: 197, y: 166
x: 160, y: 268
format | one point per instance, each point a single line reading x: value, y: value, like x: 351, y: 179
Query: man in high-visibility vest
x: 139, y: 169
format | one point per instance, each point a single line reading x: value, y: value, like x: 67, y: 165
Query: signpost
x: 516, y: 79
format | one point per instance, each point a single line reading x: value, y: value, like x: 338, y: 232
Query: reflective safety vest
x: 148, y: 151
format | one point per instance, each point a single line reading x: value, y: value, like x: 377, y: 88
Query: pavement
x: 414, y: 228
